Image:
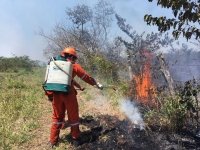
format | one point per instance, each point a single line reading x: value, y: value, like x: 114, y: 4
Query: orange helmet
x: 69, y: 50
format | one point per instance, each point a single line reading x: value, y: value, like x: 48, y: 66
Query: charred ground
x: 109, y: 133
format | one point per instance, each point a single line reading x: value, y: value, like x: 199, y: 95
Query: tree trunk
x: 165, y: 71
x: 129, y: 65
x: 130, y: 72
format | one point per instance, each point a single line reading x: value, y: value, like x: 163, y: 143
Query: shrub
x: 15, y: 64
x: 178, y: 112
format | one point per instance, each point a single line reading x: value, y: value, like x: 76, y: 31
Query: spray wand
x: 99, y: 86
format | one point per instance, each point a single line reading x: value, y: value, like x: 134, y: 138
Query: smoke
x: 132, y: 112
x: 184, y: 65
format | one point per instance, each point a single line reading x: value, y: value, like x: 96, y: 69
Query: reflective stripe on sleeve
x: 83, y: 76
x: 74, y: 124
x: 57, y: 122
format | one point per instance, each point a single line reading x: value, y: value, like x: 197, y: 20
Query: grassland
x: 19, y: 106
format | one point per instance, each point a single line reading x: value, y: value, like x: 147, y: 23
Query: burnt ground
x: 109, y: 133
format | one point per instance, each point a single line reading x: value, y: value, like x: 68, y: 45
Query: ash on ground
x: 109, y: 133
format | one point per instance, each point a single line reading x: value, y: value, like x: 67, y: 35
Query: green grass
x: 19, y: 106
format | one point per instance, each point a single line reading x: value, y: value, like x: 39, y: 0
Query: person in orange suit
x: 62, y: 101
x: 65, y: 124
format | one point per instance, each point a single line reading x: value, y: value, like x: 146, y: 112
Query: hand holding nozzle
x: 99, y: 86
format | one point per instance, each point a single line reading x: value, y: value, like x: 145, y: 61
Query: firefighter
x: 67, y: 101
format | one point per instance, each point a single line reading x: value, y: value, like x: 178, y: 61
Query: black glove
x: 93, y: 80
x: 50, y: 99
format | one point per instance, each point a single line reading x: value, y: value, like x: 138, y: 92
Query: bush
x: 178, y: 112
x: 15, y: 64
x: 102, y: 68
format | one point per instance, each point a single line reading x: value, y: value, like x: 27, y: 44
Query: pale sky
x: 21, y: 19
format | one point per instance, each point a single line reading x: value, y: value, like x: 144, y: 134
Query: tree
x: 87, y: 34
x: 140, y: 57
x: 137, y: 49
x: 87, y: 39
x: 103, y: 16
x: 184, y: 11
x: 80, y: 15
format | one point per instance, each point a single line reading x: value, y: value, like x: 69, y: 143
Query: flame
x: 145, y: 89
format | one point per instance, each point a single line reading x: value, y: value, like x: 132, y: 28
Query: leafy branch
x: 184, y: 11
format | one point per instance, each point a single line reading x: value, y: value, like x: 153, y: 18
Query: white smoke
x: 132, y: 112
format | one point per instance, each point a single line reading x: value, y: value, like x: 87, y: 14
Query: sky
x: 20, y: 20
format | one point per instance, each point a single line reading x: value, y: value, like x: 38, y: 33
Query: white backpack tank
x: 58, y: 76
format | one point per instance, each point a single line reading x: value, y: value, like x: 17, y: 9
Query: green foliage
x: 19, y: 106
x: 184, y: 12
x: 189, y: 99
x: 102, y: 68
x: 171, y: 115
x: 176, y: 112
x: 15, y: 64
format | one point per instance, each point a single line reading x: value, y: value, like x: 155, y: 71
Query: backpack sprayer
x: 56, y: 79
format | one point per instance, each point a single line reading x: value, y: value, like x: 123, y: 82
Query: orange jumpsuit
x: 67, y: 101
